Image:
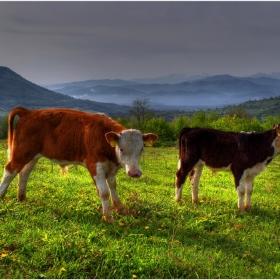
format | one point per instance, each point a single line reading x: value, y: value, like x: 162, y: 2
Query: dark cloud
x: 50, y: 42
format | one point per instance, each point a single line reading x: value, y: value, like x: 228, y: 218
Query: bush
x: 163, y: 129
x: 4, y: 128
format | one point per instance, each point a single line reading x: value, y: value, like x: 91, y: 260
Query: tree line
x: 236, y: 119
x: 141, y: 117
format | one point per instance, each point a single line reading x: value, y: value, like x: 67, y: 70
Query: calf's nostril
x: 134, y: 173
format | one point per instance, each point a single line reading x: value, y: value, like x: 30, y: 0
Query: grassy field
x: 58, y: 232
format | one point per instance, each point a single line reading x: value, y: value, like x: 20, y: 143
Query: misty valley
x: 200, y: 93
x: 170, y: 96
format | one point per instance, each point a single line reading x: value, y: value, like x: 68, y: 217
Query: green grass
x: 58, y: 232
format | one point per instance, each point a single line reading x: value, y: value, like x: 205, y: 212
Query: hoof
x: 241, y: 209
x: 108, y: 219
x: 122, y: 211
x: 248, y: 207
x: 21, y: 198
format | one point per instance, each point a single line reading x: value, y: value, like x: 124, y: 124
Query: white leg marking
x: 240, y: 192
x: 114, y: 194
x: 103, y: 189
x: 6, y: 180
x: 23, y: 178
x: 195, y: 182
x: 178, y: 193
x: 249, y: 191
x: 179, y: 163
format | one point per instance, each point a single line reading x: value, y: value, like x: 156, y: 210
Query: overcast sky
x: 53, y: 42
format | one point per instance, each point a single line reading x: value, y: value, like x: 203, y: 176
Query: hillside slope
x: 17, y: 91
x: 257, y: 108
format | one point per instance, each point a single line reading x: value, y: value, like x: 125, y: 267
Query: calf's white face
x: 129, y: 147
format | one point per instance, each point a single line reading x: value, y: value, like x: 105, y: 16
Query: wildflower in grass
x: 161, y: 227
x: 146, y: 227
x: 62, y: 270
x: 4, y: 255
x: 121, y: 224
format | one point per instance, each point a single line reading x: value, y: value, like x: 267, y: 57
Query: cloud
x: 62, y: 41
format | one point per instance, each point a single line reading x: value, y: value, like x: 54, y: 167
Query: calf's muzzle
x: 135, y: 173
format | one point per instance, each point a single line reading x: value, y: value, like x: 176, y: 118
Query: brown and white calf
x: 244, y: 154
x: 66, y: 136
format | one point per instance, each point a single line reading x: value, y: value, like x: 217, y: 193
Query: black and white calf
x: 244, y: 154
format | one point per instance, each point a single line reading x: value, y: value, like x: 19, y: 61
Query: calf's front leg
x: 97, y: 172
x: 23, y: 178
x: 239, y: 180
x: 114, y: 194
x: 249, y: 191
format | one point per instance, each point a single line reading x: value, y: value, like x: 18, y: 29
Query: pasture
x: 58, y: 232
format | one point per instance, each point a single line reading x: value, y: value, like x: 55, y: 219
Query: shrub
x: 163, y: 129
x: 4, y: 127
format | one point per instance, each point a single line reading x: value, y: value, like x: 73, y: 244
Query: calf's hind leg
x: 181, y: 176
x: 6, y: 180
x: 11, y: 169
x: 195, y: 182
x: 23, y: 178
x: 184, y: 169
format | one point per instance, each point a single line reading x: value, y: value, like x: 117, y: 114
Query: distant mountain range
x: 258, y: 94
x: 196, y: 92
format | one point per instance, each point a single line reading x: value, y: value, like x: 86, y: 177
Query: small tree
x: 140, y: 111
x: 179, y: 123
x: 239, y: 111
x: 200, y: 119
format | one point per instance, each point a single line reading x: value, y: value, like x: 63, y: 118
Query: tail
x: 18, y: 111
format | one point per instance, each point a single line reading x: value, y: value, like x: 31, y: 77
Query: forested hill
x: 17, y: 91
x: 257, y: 108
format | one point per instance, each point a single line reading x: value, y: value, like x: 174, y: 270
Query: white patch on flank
x: 255, y: 170
x: 246, y: 184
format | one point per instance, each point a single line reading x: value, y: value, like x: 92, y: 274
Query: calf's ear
x: 112, y: 138
x: 149, y: 138
x: 277, y: 128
